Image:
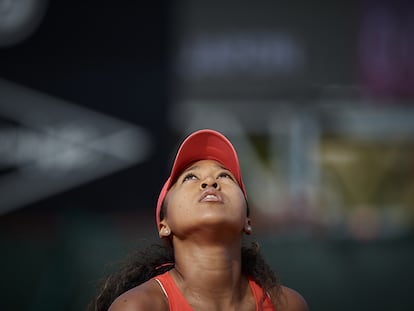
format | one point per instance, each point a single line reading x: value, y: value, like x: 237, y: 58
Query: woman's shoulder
x: 291, y: 300
x: 147, y: 296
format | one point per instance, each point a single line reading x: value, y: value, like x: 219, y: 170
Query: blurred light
x: 259, y: 53
x: 51, y: 145
x: 19, y: 19
x: 386, y: 46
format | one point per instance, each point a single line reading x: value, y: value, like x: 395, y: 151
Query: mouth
x: 210, y: 196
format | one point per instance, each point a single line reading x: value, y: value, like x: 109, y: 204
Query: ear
x: 163, y: 229
x: 247, y: 226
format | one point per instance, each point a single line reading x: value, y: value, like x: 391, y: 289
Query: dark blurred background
x: 317, y: 97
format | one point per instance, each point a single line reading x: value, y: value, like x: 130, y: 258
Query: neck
x: 209, y: 272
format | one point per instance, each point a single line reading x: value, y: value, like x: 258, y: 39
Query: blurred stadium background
x: 317, y: 97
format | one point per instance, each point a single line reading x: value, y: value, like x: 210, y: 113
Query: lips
x: 211, y: 196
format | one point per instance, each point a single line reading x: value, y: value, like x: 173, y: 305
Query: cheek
x: 178, y: 207
x: 240, y: 200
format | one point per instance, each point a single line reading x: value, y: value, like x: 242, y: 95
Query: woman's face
x: 205, y: 196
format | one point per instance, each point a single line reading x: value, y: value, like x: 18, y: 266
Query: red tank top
x: 177, y: 301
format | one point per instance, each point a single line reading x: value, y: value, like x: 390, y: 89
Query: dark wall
x: 112, y: 58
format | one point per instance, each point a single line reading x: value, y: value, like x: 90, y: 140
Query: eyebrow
x: 191, y: 168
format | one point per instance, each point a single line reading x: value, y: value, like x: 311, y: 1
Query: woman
x: 202, y: 215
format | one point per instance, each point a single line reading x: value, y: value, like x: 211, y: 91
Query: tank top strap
x: 176, y: 300
x: 258, y: 296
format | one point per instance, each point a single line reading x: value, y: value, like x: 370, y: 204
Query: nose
x: 209, y: 182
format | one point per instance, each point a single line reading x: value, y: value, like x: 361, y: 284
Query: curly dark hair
x: 155, y: 259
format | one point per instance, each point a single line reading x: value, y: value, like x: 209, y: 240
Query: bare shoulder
x: 291, y: 300
x: 147, y: 296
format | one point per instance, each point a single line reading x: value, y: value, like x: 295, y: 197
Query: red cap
x: 202, y: 145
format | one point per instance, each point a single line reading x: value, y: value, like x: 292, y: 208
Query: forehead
x: 202, y: 164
